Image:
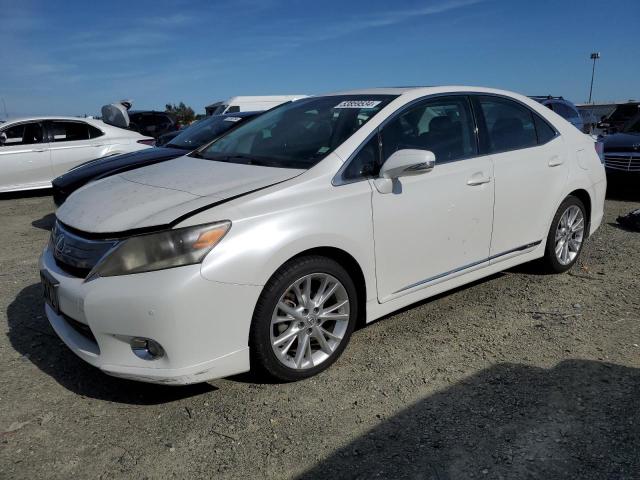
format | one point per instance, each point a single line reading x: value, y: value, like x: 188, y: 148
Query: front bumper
x: 202, y: 325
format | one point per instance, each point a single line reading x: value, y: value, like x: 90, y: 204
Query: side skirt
x: 376, y: 310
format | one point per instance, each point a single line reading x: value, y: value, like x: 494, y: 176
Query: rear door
x: 72, y: 143
x: 530, y: 169
x: 25, y: 160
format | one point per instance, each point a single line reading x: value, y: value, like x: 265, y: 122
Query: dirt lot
x: 518, y: 376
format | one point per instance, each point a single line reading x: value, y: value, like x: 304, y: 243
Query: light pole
x: 594, y: 56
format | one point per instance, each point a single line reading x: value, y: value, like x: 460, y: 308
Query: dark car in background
x: 152, y: 123
x: 618, y: 119
x: 167, y: 137
x: 564, y: 108
x: 188, y: 140
x: 622, y: 150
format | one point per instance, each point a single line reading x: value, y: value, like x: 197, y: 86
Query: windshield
x: 297, y: 134
x: 204, y: 131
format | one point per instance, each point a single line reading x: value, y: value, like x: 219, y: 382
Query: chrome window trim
x: 338, y: 179
x: 532, y: 111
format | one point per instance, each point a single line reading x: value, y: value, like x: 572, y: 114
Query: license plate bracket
x: 50, y: 290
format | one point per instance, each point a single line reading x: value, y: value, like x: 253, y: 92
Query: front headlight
x: 157, y: 251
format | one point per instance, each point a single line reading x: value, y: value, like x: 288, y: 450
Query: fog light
x: 146, y: 349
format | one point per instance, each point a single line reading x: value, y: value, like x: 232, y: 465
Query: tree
x: 184, y: 114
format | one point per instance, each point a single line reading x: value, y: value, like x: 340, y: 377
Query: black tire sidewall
x: 263, y: 359
x: 551, y: 259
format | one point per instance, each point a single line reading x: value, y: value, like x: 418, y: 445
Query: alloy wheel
x: 569, y: 235
x: 309, y: 321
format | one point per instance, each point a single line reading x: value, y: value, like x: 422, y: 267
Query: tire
x: 286, y: 333
x: 571, y: 236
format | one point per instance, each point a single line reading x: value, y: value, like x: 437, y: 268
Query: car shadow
x: 46, y: 222
x: 257, y: 378
x: 41, y: 192
x: 578, y: 419
x: 625, y: 189
x: 31, y: 335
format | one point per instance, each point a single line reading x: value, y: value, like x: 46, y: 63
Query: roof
x: 375, y: 91
x: 426, y: 90
x: 50, y: 117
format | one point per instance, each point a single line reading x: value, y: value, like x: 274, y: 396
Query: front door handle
x: 39, y: 150
x: 555, y: 161
x: 478, y: 179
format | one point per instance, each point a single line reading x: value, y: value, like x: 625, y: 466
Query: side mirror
x: 404, y: 163
x: 3, y: 138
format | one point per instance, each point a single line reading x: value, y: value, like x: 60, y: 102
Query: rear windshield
x: 297, y: 134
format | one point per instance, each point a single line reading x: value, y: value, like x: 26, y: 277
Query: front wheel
x: 566, y: 236
x: 303, y: 319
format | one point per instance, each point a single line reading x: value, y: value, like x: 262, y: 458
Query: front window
x: 442, y: 125
x: 203, y: 132
x: 22, y: 134
x: 297, y: 134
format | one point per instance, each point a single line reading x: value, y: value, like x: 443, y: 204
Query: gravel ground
x: 520, y: 375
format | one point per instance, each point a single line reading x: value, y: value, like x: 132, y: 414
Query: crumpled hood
x: 161, y: 193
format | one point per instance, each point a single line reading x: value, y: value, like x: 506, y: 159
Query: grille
x: 627, y: 162
x: 77, y: 255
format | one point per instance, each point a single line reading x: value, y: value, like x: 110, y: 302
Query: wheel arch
x: 350, y: 264
x: 585, y: 198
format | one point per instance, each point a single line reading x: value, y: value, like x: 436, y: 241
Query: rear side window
x: 544, y: 130
x: 23, y: 134
x: 68, y: 131
x: 94, y: 132
x: 510, y: 125
x: 443, y: 125
x: 233, y: 109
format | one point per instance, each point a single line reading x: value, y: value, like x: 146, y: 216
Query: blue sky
x: 71, y: 57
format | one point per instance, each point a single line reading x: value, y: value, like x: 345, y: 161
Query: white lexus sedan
x: 33, y: 151
x: 262, y: 249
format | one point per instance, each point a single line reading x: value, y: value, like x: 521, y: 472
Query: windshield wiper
x: 181, y: 147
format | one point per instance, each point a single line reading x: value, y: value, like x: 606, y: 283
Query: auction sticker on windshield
x: 358, y: 104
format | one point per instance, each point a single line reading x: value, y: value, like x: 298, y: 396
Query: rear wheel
x: 304, y: 319
x: 566, y: 236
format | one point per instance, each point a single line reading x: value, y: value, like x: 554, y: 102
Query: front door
x: 435, y: 225
x: 24, y: 157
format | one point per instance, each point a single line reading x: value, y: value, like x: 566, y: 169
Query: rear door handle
x: 478, y: 179
x: 555, y: 161
x: 39, y: 150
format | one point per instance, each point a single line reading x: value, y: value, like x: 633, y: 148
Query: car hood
x: 622, y: 142
x: 157, y: 195
x: 101, y: 167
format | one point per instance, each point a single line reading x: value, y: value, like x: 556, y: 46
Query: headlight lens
x: 157, y: 251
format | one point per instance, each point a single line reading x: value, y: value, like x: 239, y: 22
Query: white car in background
x: 34, y: 151
x: 250, y: 103
x: 264, y: 248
